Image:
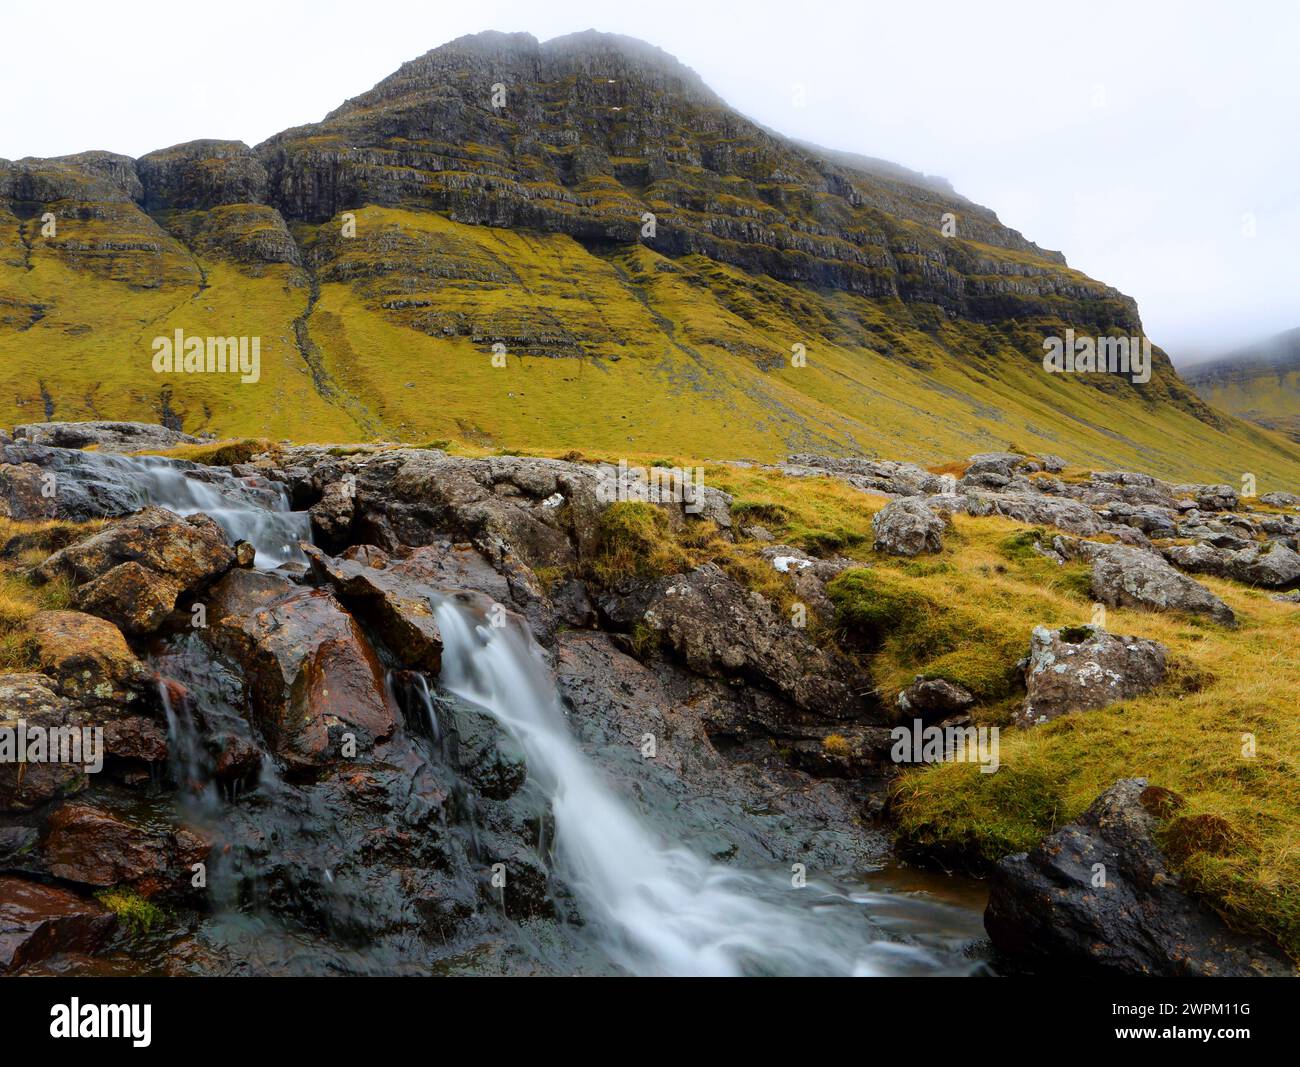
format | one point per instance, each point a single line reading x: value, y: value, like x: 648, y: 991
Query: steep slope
x: 1260, y: 383
x: 655, y: 266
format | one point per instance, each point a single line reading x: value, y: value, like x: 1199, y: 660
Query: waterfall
x: 649, y: 904
x: 250, y: 509
x: 658, y: 907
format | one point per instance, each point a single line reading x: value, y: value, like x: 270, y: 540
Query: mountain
x: 1260, y: 382
x: 524, y: 225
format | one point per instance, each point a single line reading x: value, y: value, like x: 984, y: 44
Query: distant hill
x: 1260, y: 382
x: 494, y: 192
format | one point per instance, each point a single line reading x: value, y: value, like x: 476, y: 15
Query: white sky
x: 1132, y: 136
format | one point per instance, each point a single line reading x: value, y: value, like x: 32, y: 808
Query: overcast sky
x: 1145, y: 140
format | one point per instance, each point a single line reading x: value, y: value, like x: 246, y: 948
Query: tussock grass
x: 22, y: 546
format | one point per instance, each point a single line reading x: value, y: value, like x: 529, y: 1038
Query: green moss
x: 1020, y: 546
x: 633, y: 540
x: 134, y: 912
x: 987, y: 817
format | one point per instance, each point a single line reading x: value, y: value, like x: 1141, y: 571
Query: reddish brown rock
x: 99, y: 846
x: 131, y: 596
x: 38, y: 921
x: 382, y: 597
x: 133, y: 571
x: 312, y: 675
x: 87, y: 656
x: 136, y: 737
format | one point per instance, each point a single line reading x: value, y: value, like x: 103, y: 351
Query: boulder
x: 1098, y: 894
x: 1034, y: 508
x: 1273, y: 566
x: 105, y: 436
x: 87, y: 656
x: 390, y: 602
x: 133, y: 571
x: 131, y: 596
x: 33, y: 700
x: 721, y: 630
x: 932, y: 699
x: 1281, y: 500
x: 97, y: 845
x: 1134, y: 577
x: 1208, y: 497
x: 991, y: 470
x: 906, y: 527
x: 1083, y: 668
x: 312, y: 676
x: 39, y: 921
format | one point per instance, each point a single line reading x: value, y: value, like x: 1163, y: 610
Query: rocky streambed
x: 381, y: 710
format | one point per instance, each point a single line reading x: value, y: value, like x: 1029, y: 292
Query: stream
x: 636, y: 897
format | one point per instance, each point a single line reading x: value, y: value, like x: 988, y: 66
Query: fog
x: 1153, y: 144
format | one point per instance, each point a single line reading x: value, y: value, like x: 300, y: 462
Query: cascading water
x: 658, y: 907
x: 650, y: 905
x: 247, y: 509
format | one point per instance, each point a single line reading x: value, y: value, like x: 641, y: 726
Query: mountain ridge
x: 521, y: 226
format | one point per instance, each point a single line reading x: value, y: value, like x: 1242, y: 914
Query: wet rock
x: 488, y: 756
x: 709, y: 752
x: 1048, y: 910
x: 312, y: 676
x: 87, y: 656
x: 1132, y: 577
x: 38, y: 921
x: 133, y: 571
x: 105, y: 436
x: 331, y: 516
x: 390, y: 603
x: 721, y: 630
x: 32, y: 700
x: 906, y: 527
x: 96, y: 845
x: 1084, y: 668
x: 932, y: 699
x: 135, y: 737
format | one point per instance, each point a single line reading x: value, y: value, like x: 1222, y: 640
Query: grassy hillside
x: 1260, y: 383
x: 609, y: 346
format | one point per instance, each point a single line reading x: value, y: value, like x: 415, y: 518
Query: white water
x: 253, y: 510
x: 659, y: 908
x: 656, y: 906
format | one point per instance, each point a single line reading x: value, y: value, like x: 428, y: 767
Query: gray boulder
x: 1098, y: 893
x: 106, y: 436
x: 906, y: 527
x: 1132, y: 577
x: 932, y: 699
x: 1083, y: 668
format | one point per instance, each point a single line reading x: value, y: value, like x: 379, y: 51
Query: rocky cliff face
x: 1260, y: 383
x: 587, y: 198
